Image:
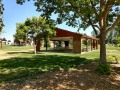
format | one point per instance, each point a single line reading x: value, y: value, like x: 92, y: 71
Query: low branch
x: 95, y: 11
x: 97, y: 27
x: 113, y: 25
x: 93, y: 26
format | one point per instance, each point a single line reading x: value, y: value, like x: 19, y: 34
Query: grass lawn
x: 18, y: 64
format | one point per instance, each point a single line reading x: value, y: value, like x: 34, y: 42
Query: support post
x: 86, y: 44
x: 59, y: 43
x: 91, y: 44
x: 38, y: 45
x: 54, y: 45
x: 77, y: 44
x: 96, y: 44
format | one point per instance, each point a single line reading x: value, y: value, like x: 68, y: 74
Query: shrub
x: 104, y: 68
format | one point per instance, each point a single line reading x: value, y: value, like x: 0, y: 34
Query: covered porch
x: 73, y: 42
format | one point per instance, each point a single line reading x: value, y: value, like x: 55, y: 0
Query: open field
x: 20, y: 69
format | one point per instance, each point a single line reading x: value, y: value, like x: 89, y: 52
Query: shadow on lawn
x: 38, y: 74
x: 16, y: 68
x: 20, y: 52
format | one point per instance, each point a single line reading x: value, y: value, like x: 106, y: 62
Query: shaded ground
x: 84, y: 78
x: 55, y: 73
x: 22, y: 70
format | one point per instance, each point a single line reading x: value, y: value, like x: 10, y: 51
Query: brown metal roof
x: 65, y: 33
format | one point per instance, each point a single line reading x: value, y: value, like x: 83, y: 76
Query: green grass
x: 15, y: 68
x: 15, y: 48
x: 110, y: 47
x: 27, y: 64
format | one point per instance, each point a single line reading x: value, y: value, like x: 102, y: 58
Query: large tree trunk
x: 102, y: 47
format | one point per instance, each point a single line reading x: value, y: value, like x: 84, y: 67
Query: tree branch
x: 93, y: 26
x: 73, y: 6
x: 97, y: 26
x: 113, y: 25
x: 100, y: 12
x: 106, y: 10
x: 95, y: 11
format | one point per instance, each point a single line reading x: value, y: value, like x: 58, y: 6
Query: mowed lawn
x: 19, y: 64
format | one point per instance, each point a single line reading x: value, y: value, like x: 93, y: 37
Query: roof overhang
x: 61, y: 38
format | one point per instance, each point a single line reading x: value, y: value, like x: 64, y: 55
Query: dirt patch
x: 84, y: 78
x: 10, y: 54
x: 5, y: 55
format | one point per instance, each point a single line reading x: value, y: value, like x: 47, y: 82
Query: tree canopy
x: 4, y: 39
x: 1, y: 13
x: 21, y: 30
x: 36, y: 27
x: 101, y: 15
x: 117, y: 40
x: 40, y: 27
x: 113, y: 34
x: 81, y: 13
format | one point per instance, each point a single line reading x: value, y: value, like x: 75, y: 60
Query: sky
x: 15, y: 13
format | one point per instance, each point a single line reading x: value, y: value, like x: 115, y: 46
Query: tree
x: 101, y: 15
x: 4, y: 39
x: 36, y: 28
x: 113, y: 34
x: 117, y: 40
x: 93, y: 33
x: 40, y: 28
x: 1, y: 13
x: 21, y: 30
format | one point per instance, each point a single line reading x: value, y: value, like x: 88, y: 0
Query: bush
x: 104, y: 68
x: 117, y: 41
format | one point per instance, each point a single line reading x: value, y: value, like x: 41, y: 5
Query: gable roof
x: 65, y: 33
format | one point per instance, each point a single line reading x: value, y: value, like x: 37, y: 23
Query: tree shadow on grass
x: 20, y: 52
x: 16, y: 68
x: 53, y: 72
x: 44, y: 73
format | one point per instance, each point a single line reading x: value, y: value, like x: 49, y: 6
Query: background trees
x: 113, y: 34
x: 117, y: 41
x: 21, y: 30
x: 40, y: 28
x: 36, y: 28
x: 101, y: 15
x: 4, y: 39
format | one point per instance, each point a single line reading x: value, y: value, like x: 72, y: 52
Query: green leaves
x: 35, y: 27
x: 1, y: 13
x: 21, y: 30
x: 117, y: 40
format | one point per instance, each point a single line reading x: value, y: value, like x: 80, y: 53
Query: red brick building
x: 76, y: 38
